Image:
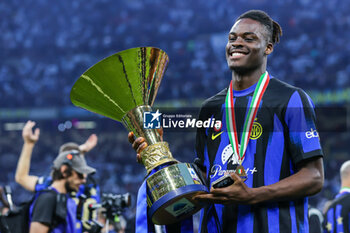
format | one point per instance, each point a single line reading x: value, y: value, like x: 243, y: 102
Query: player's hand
x: 139, y: 144
x: 90, y: 143
x: 238, y: 192
x: 27, y: 133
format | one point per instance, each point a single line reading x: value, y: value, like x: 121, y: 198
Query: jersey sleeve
x: 304, y: 140
x: 44, y: 208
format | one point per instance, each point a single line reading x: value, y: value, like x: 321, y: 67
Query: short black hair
x: 56, y: 173
x: 272, y: 26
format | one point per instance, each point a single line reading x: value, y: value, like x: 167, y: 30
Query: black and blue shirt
x: 337, y: 216
x: 283, y: 135
x: 90, y: 190
x: 47, y: 209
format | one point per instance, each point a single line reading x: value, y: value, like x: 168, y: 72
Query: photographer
x: 54, y: 210
x: 87, y: 193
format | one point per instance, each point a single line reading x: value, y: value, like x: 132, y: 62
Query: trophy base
x: 170, y: 192
x: 176, y: 205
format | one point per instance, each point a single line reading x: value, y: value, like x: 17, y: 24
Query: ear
x: 63, y: 170
x: 269, y: 48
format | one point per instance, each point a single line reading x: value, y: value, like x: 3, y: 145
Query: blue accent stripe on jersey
x: 330, y: 217
x: 291, y: 168
x: 212, y: 225
x: 275, y: 147
x: 207, y: 129
x: 206, y: 162
x: 219, y: 210
x: 244, y: 92
x: 245, y: 219
x: 294, y: 118
x: 272, y: 167
x: 340, y: 227
x: 304, y: 223
x: 201, y: 217
x: 273, y: 218
x: 301, y: 127
x: 293, y: 217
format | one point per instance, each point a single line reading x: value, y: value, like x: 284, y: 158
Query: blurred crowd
x: 46, y: 46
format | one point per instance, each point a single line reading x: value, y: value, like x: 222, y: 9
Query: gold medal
x: 241, y: 172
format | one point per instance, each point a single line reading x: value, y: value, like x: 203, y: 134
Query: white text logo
x: 217, y: 170
x: 190, y: 123
x: 311, y: 134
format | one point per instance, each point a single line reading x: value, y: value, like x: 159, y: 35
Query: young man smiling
x: 265, y: 125
x: 263, y: 144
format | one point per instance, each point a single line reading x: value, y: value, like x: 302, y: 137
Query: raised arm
x: 22, y: 176
x: 89, y: 144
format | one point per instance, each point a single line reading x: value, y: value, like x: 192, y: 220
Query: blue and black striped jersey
x: 337, y: 217
x: 90, y: 191
x: 283, y: 135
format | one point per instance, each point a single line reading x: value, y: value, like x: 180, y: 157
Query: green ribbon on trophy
x: 123, y: 87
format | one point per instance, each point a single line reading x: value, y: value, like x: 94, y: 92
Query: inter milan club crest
x: 257, y: 130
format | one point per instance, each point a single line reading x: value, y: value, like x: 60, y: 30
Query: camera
x: 111, y: 206
x: 115, y: 203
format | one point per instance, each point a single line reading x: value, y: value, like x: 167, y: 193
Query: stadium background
x: 46, y: 45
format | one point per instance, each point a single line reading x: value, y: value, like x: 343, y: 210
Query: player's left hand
x: 238, y: 192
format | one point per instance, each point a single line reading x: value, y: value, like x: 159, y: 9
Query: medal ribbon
x: 249, y: 120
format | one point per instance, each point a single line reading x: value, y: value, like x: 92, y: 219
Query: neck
x: 345, y: 184
x: 59, y: 185
x: 245, y: 80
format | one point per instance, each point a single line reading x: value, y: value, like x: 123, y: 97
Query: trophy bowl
x: 123, y: 87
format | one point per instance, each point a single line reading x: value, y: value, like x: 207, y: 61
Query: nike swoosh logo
x: 213, y: 137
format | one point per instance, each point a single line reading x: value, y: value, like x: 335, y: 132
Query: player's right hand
x: 139, y: 144
x: 27, y: 132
